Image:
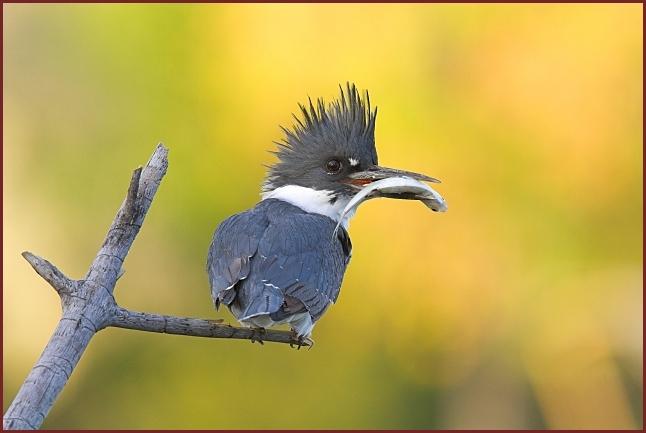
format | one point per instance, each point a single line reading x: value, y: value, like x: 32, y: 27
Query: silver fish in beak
x: 392, y: 183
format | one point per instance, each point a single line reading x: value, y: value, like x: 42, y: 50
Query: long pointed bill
x: 376, y: 172
x: 392, y: 183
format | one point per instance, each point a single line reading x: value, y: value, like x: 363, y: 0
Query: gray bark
x: 88, y: 306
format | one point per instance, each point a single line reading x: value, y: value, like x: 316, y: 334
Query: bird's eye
x: 333, y: 166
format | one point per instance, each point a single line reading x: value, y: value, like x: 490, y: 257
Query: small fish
x: 400, y: 187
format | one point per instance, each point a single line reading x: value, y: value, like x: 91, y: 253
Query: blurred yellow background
x: 520, y: 307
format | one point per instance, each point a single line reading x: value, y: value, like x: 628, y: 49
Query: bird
x: 283, y: 261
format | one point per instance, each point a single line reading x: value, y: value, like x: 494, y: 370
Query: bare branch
x: 150, y: 322
x: 50, y: 273
x: 144, y: 183
x: 88, y: 306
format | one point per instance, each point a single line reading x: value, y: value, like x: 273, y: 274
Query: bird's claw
x: 258, y: 338
x: 300, y: 340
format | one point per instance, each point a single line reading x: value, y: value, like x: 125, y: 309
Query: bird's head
x: 329, y: 154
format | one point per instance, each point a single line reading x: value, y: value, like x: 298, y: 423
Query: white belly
x: 301, y: 323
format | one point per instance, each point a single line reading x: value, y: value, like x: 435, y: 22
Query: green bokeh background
x: 520, y: 307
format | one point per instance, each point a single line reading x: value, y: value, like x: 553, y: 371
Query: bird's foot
x: 258, y: 335
x: 299, y: 341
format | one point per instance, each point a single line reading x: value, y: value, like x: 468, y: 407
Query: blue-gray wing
x: 299, y: 266
x: 277, y: 260
x: 234, y: 242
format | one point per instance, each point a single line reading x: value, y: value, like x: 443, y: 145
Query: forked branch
x: 88, y: 306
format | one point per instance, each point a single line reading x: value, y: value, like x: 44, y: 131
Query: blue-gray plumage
x: 276, y: 261
x: 283, y: 261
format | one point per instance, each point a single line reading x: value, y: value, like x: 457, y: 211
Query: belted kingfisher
x: 283, y: 261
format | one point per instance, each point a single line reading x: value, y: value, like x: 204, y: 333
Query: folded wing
x: 277, y: 260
